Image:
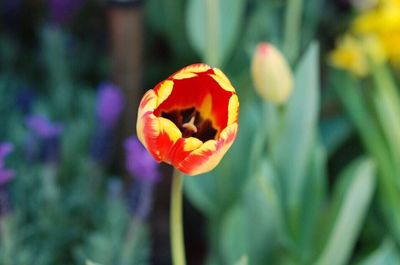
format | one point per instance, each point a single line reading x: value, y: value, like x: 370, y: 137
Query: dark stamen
x: 191, y: 124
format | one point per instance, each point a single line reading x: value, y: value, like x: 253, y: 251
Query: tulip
x: 271, y: 74
x: 190, y: 119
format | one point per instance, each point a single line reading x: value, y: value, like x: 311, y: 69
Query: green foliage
x: 61, y: 210
x: 212, y: 31
x: 353, y: 198
x: 304, y: 182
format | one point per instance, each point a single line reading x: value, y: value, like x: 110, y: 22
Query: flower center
x: 192, y: 124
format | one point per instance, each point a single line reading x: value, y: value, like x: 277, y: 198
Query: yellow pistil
x: 190, y: 125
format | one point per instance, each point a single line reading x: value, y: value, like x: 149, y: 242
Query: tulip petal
x: 163, y: 90
x: 158, y: 135
x: 182, y: 148
x: 183, y: 75
x: 168, y: 136
x: 208, y: 155
x: 148, y: 130
x: 194, y: 68
x: 222, y: 80
x: 146, y: 107
x: 148, y: 102
x: 202, y: 92
x: 233, y: 109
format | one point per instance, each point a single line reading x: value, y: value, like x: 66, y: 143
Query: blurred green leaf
x: 120, y: 239
x: 355, y: 201
x: 88, y: 262
x: 386, y: 100
x: 350, y: 92
x: 334, y: 132
x: 234, y: 237
x: 212, y: 30
x: 311, y: 20
x: 254, y: 225
x: 263, y: 25
x: 313, y: 196
x: 386, y: 254
x: 264, y: 213
x: 168, y: 17
x: 294, y: 146
x: 244, y: 260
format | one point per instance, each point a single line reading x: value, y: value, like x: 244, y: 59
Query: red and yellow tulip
x: 190, y: 119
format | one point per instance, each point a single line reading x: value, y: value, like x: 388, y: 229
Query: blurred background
x: 312, y: 178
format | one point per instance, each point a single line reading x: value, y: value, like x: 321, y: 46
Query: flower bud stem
x: 176, y: 228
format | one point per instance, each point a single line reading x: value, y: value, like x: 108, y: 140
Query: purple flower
x: 43, y: 127
x: 5, y: 174
x: 43, y: 143
x: 62, y: 10
x: 139, y: 162
x: 109, y: 105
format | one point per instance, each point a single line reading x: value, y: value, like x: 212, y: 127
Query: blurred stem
x: 291, y: 44
x: 176, y: 228
x: 211, y: 55
x: 130, y: 241
x: 6, y: 239
x: 50, y: 183
x: 214, y: 235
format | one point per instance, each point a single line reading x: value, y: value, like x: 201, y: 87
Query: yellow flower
x: 349, y: 56
x: 373, y: 49
x: 383, y: 23
x: 391, y: 44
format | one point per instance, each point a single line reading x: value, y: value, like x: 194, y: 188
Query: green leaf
x: 168, y: 17
x: 334, y: 132
x: 213, y: 26
x: 354, y: 205
x: 350, y: 93
x: 234, y: 237
x: 88, y: 262
x: 264, y: 213
x: 386, y: 254
x: 200, y: 193
x: 294, y: 146
x: 314, y: 195
x: 244, y: 260
x: 253, y: 226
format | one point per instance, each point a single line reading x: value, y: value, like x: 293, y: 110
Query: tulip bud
x: 271, y: 74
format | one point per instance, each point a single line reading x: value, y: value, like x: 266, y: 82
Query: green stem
x: 176, y: 228
x: 130, y: 240
x: 291, y: 43
x: 211, y: 55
